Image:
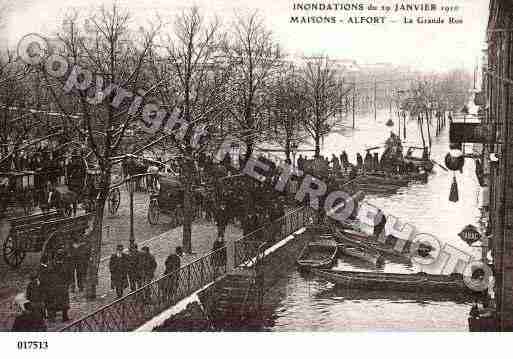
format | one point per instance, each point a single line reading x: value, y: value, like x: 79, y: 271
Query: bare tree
x: 256, y: 58
x: 17, y: 123
x: 102, y: 44
x: 196, y: 75
x: 287, y: 109
x: 325, y: 95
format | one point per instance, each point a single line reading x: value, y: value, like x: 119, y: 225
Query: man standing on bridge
x: 118, y: 266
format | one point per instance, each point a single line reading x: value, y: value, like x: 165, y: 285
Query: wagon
x: 167, y: 198
x: 40, y: 233
x: 17, y: 190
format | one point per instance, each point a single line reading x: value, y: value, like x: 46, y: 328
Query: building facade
x: 498, y: 153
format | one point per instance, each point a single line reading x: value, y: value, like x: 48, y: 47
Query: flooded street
x: 304, y: 302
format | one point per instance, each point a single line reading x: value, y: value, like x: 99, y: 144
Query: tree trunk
x: 317, y: 145
x: 287, y: 150
x: 96, y: 239
x: 421, y: 131
x: 428, y: 122
x: 187, y: 207
x: 249, y: 149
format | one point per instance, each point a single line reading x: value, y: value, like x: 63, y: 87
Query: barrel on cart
x: 40, y: 233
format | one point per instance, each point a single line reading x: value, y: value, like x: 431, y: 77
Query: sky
x: 423, y: 46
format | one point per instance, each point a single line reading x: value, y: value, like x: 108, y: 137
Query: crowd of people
x: 232, y: 198
x: 51, y: 169
x: 391, y: 161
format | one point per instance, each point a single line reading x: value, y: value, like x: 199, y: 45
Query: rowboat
x: 393, y: 179
x: 361, y: 240
x: 374, y: 179
x: 377, y: 188
x: 320, y: 253
x: 418, y: 282
x: 366, y: 254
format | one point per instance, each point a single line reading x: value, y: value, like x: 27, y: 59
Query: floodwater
x: 303, y: 302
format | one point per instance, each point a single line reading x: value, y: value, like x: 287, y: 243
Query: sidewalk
x: 203, y: 236
x: 159, y: 238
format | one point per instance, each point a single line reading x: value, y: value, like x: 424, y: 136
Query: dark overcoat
x: 118, y: 266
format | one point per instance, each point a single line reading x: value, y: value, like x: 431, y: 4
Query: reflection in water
x: 304, y: 302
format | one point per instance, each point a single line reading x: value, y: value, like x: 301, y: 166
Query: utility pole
x: 404, y: 124
x: 354, y: 98
x: 375, y: 110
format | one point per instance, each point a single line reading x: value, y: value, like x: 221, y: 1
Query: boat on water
x: 366, y: 254
x: 384, y: 178
x: 377, y: 188
x: 418, y: 157
x: 417, y: 282
x: 356, y: 238
x: 319, y: 253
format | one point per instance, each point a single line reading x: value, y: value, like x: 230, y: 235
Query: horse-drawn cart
x: 45, y: 233
x: 168, y: 199
x: 85, y: 189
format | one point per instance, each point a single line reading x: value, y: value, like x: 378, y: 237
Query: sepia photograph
x: 255, y: 166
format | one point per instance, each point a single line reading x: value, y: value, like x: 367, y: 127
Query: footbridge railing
x: 136, y: 308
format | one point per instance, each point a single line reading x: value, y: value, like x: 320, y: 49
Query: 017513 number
x: 32, y: 345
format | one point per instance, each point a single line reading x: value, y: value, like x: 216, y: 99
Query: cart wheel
x: 114, y: 200
x: 13, y: 255
x: 53, y: 243
x: 153, y: 212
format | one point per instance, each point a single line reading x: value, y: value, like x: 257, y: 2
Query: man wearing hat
x: 34, y: 293
x: 57, y: 295
x: 118, y: 266
x: 147, y: 264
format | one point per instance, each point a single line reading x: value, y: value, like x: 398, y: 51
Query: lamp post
x: 293, y: 147
x: 131, y: 189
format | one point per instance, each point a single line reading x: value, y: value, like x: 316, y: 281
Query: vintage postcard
x: 255, y: 166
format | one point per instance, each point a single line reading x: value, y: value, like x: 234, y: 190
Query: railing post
x: 202, y: 271
x: 188, y: 279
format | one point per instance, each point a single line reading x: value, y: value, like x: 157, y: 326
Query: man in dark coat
x: 134, y: 275
x: 34, y: 293
x: 300, y: 163
x: 57, y: 295
x: 219, y: 256
x: 29, y: 320
x: 118, y: 266
x: 376, y: 161
x: 76, y: 174
x: 221, y: 218
x: 173, y: 263
x: 368, y: 162
x: 359, y: 160
x: 80, y: 252
x: 148, y: 265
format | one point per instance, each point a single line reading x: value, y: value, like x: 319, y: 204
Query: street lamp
x: 131, y: 189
